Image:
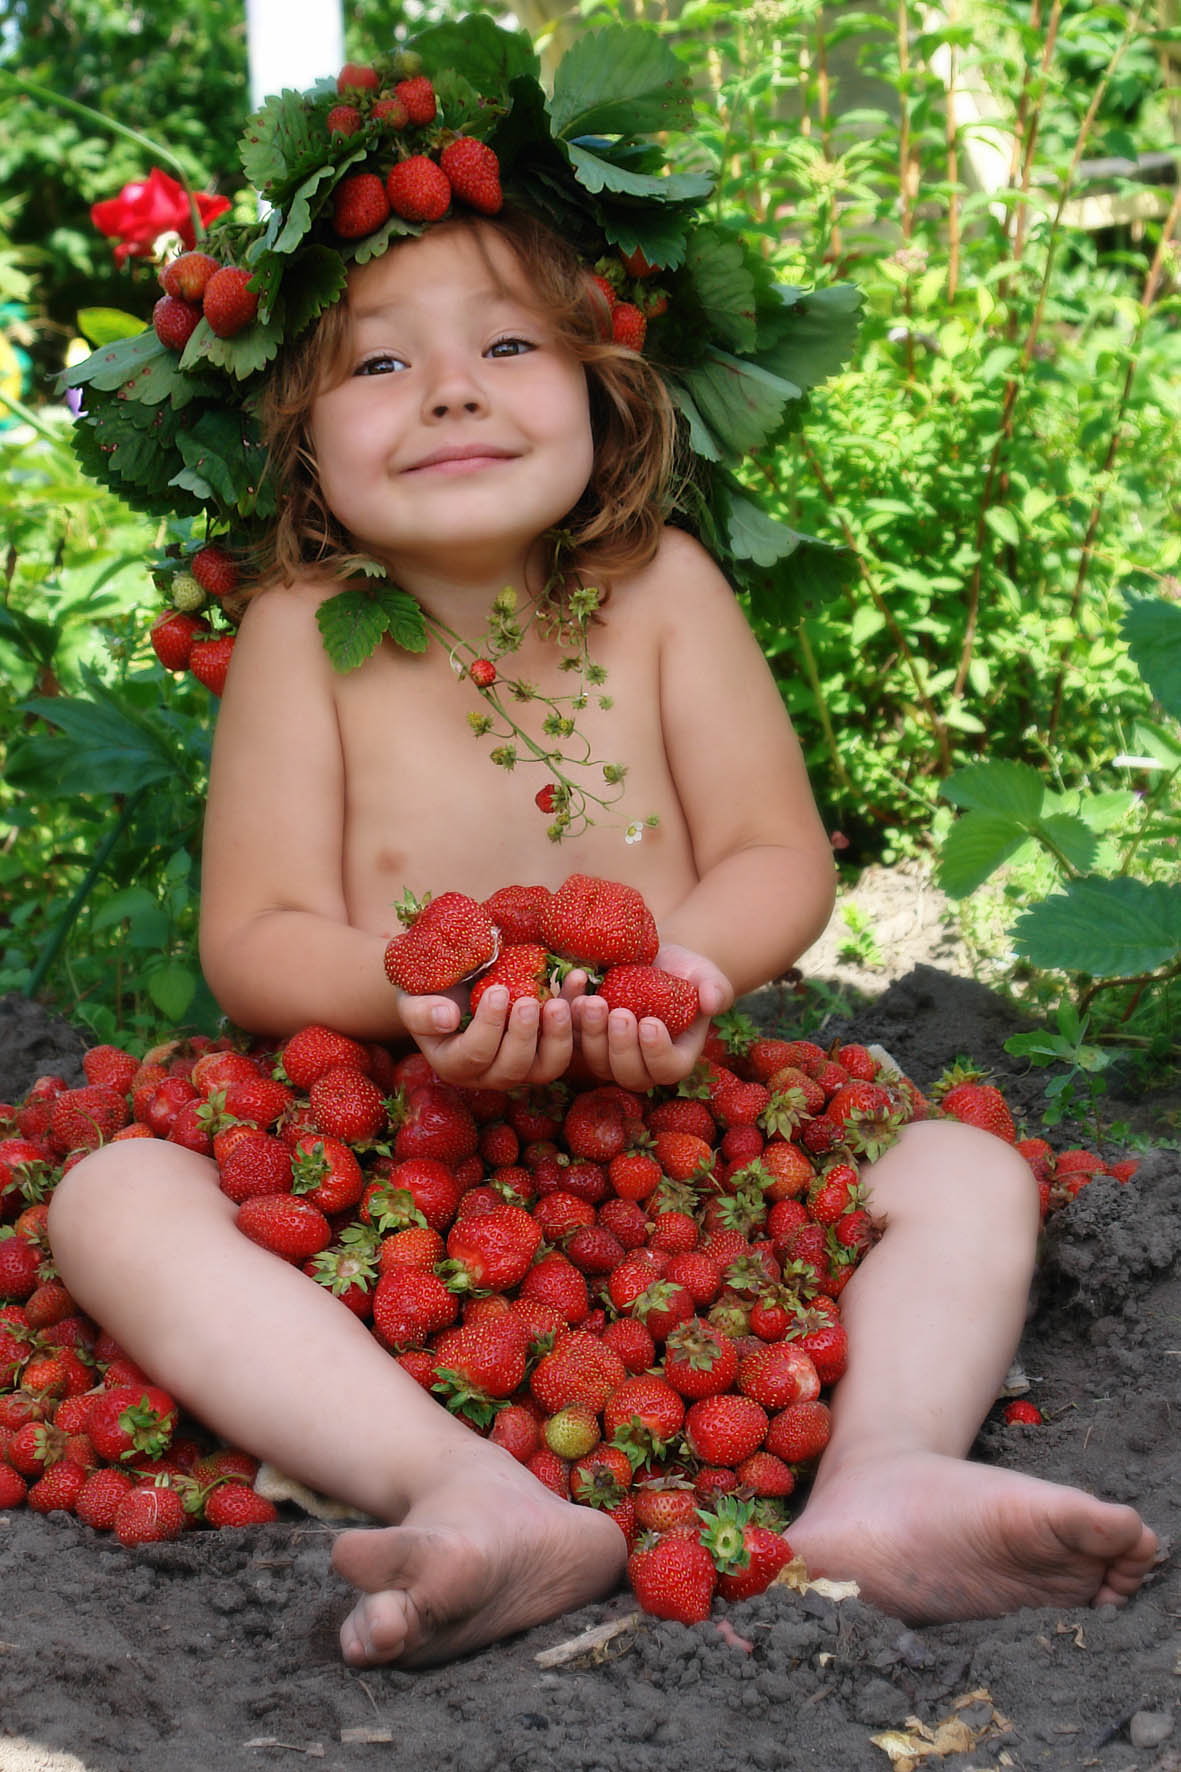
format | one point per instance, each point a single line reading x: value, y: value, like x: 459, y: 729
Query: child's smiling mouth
x: 460, y: 459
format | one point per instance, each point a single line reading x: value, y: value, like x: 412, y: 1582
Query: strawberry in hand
x: 639, y: 1051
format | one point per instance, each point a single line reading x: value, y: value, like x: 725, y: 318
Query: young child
x: 449, y: 420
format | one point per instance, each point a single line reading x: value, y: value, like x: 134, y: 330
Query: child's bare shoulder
x: 680, y: 580
x: 279, y: 631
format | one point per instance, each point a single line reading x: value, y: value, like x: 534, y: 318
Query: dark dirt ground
x: 219, y: 1652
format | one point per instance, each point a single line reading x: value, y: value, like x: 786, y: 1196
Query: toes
x: 376, y: 1630
x: 370, y: 1560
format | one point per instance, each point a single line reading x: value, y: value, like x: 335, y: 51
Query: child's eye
x: 383, y: 363
x: 510, y: 347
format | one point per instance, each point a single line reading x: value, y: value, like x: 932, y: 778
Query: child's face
x: 461, y: 428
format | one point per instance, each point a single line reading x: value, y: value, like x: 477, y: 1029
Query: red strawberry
x: 523, y: 970
x: 186, y: 277
x: 100, y: 1495
x: 518, y: 1430
x: 131, y: 1419
x: 360, y: 205
x: 418, y: 189
x: 699, y: 1361
x: 628, y: 325
x: 778, y: 1374
x: 343, y: 120
x: 257, y: 1165
x: 20, y: 1265
x: 209, y: 661
x: 725, y: 1430
x: 579, y: 1369
x: 482, y: 673
x: 59, y: 1488
x: 799, y: 1432
x: 635, y: 1175
x: 1023, y: 1413
x: 473, y: 172
x: 347, y: 1105
x: 84, y: 1119
x: 111, y: 1066
x: 517, y: 912
x: 326, y: 1173
x: 645, y: 1410
x: 979, y: 1104
x: 449, y: 938
x: 409, y: 1306
x: 600, y: 923
x: 558, y: 1283
x: 417, y: 96
x: 151, y: 1514
x: 390, y: 113
x: 316, y: 1049
x: 746, y: 1555
x: 436, y: 1123
x: 175, y: 321
x: 287, y: 1226
x: 228, y: 303
x: 357, y: 77
x: 646, y: 990
x: 492, y: 1251
x: 596, y: 1125
x: 673, y: 1577
x: 259, y: 1101
x: 481, y: 1362
x: 236, y: 1505
x: 416, y: 1191
x: 662, y: 1504
x: 215, y: 571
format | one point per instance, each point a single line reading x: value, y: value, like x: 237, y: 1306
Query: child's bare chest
x: 428, y: 807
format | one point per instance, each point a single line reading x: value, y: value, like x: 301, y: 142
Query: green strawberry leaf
x: 1152, y: 629
x: 725, y: 286
x: 660, y: 234
x: 620, y: 80
x: 1071, y: 837
x: 244, y: 354
x: 116, y: 363
x: 486, y: 56
x: 597, y: 173
x: 755, y: 536
x: 373, y: 245
x: 822, y: 328
x: 299, y: 212
x: 95, y: 747
x: 743, y: 404
x: 1105, y: 928
x: 104, y: 326
x: 1012, y: 790
x: 354, y: 622
x: 975, y: 847
x: 315, y: 279
x: 701, y: 438
x: 277, y: 138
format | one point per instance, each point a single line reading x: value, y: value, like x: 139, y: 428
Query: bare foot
x: 474, y: 1562
x: 930, y: 1538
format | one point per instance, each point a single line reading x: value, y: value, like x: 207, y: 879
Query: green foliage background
x: 1003, y: 455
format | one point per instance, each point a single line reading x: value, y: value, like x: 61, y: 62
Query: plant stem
x: 814, y: 683
x: 1004, y: 437
x: 938, y: 729
x: 953, y: 168
x: 69, y: 917
x: 164, y: 156
x: 1151, y: 284
x: 902, y: 23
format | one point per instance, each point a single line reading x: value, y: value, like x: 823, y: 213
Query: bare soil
x: 219, y: 1651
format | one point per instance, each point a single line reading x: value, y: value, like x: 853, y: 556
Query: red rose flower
x: 149, y: 207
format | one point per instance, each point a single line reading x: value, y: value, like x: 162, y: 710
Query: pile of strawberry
x: 636, y: 1296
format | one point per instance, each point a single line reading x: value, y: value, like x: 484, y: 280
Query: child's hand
x: 641, y: 1055
x: 499, y: 1049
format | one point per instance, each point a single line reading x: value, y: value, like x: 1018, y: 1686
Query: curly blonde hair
x: 616, y: 524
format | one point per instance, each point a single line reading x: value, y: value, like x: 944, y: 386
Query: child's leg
x: 934, y: 1316
x: 148, y: 1245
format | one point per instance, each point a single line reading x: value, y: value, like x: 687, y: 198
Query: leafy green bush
x: 1107, y: 910
x: 104, y: 760
x: 1004, y: 454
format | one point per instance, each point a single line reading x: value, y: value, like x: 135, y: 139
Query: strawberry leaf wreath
x: 459, y: 120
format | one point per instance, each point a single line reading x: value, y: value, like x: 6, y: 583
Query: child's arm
x: 276, y: 944
x: 765, y: 871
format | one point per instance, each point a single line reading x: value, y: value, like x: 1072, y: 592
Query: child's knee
x: 935, y: 1161
x: 118, y: 1182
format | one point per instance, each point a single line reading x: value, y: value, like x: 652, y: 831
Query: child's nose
x: 454, y: 389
